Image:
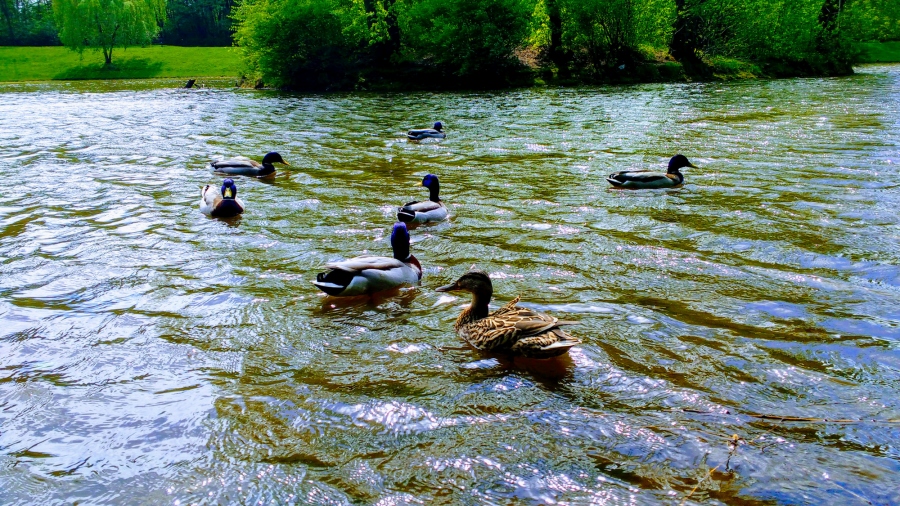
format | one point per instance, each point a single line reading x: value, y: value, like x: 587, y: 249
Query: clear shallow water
x: 149, y: 354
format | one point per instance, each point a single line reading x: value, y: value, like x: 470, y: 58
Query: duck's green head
x: 273, y: 157
x: 678, y: 162
x: 400, y: 241
x: 229, y: 190
x: 475, y: 281
x: 431, y: 181
x: 438, y: 126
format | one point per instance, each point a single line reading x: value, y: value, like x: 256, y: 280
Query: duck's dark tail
x: 333, y: 282
x: 406, y: 215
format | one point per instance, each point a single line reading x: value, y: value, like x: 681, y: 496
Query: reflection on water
x: 149, y: 354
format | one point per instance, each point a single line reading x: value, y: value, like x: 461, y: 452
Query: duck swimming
x: 645, y: 179
x: 247, y: 167
x: 368, y: 274
x: 429, y: 211
x: 221, y: 204
x: 435, y: 133
x: 511, y: 329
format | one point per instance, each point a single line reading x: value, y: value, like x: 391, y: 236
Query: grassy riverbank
x: 880, y: 52
x: 58, y: 63
x: 54, y: 62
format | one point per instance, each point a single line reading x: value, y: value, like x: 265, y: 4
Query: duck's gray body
x: 242, y: 167
x: 639, y: 179
x: 645, y: 179
x: 429, y: 211
x: 247, y: 167
x: 365, y: 275
x: 427, y: 133
x: 422, y: 212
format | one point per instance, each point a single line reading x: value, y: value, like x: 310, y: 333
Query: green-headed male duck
x: 247, y: 167
x: 510, y: 330
x: 367, y: 274
x: 223, y: 203
x: 645, y: 179
x: 429, y: 211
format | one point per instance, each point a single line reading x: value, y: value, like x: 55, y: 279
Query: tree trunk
x: 829, y: 40
x: 830, y: 15
x: 383, y: 50
x: 8, y: 15
x: 107, y: 53
x: 686, y: 39
x: 393, y: 28
x: 558, y: 55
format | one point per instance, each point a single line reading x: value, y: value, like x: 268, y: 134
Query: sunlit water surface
x: 149, y: 354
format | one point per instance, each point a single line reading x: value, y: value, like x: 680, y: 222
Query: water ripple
x: 151, y: 354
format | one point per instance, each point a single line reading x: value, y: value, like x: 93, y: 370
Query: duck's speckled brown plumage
x: 511, y: 329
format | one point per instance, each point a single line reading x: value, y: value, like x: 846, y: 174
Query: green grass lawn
x: 46, y: 63
x: 880, y: 52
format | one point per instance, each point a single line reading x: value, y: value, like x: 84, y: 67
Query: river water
x: 151, y: 355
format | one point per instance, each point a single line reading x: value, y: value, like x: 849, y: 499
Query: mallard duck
x: 511, y: 329
x: 429, y: 211
x: 248, y: 167
x: 435, y: 133
x: 221, y: 204
x: 645, y: 179
x: 368, y: 274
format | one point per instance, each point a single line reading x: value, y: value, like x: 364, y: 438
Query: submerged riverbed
x: 149, y: 354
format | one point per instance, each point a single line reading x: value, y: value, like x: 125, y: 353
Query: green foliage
x: 869, y: 20
x: 24, y: 22
x: 467, y: 39
x: 198, y: 23
x: 440, y: 43
x: 604, y: 32
x: 106, y: 24
x: 305, y: 44
x: 785, y: 36
x: 600, y: 35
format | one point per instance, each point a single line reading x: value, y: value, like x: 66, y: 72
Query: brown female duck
x: 511, y: 329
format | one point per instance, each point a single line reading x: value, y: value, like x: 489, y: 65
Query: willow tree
x: 105, y: 24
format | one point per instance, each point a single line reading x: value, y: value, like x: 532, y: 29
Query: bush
x: 301, y: 44
x: 468, y: 41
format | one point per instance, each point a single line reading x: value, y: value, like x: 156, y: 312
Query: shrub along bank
x: 438, y: 44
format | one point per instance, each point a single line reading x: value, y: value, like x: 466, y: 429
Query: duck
x: 646, y: 179
x: 510, y: 330
x: 429, y: 211
x: 435, y: 133
x: 221, y: 204
x: 367, y: 274
x: 247, y: 167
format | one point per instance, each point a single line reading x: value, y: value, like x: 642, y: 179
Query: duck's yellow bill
x: 227, y: 193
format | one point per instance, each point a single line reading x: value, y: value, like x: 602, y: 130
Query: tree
x: 559, y: 55
x: 197, y: 23
x: 301, y: 44
x: 27, y: 23
x: 686, y: 36
x: 105, y: 24
x: 471, y: 40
